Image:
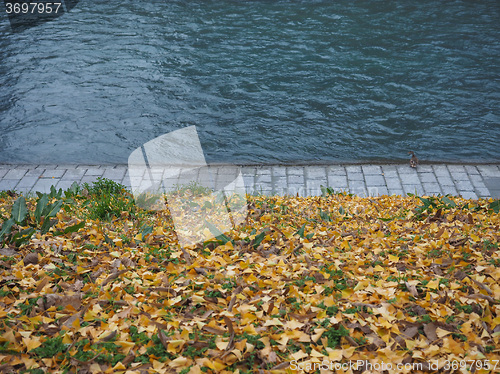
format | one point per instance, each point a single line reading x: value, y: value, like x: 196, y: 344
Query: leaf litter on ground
x: 303, y: 281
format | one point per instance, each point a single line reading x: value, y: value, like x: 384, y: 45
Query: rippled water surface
x: 263, y: 81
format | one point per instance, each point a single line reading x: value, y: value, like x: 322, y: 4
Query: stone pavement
x: 468, y: 181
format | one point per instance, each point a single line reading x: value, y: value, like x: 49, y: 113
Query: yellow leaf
x: 119, y: 366
x: 378, y: 268
x: 335, y: 355
x: 195, y: 370
x: 294, y: 324
x: 273, y: 322
x: 440, y: 332
x: 299, y: 355
x: 433, y: 284
x: 222, y: 345
x: 393, y: 258
x: 32, y: 343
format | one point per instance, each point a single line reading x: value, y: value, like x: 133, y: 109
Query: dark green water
x: 263, y: 81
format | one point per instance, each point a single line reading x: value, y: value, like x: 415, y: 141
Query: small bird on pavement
x: 413, y: 159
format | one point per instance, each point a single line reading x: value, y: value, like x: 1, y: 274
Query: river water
x: 263, y: 81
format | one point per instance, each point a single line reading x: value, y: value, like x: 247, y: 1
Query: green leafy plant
x: 429, y: 204
x: 108, y: 199
x: 14, y: 230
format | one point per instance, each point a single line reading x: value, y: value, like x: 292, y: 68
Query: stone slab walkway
x: 468, y: 181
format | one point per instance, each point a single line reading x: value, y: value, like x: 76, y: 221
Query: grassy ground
x: 91, y: 283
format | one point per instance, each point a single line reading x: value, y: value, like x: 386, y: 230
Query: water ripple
x: 280, y: 81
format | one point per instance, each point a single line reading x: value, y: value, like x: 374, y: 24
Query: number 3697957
x: 18, y: 8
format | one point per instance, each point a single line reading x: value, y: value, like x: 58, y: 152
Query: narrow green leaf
x: 217, y: 233
x: 19, y: 210
x: 495, y: 206
x: 71, y: 229
x: 42, y: 203
x: 54, y: 208
x: 323, y: 190
x: 23, y: 236
x: 6, y: 227
x: 448, y: 202
x: 46, y: 225
x: 258, y: 239
x: 301, y: 231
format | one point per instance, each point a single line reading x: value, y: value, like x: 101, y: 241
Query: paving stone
x: 336, y: 170
x: 15, y: 174
x: 263, y: 178
x: 409, y: 179
x: 354, y: 185
x: 25, y: 191
x: 294, y: 189
x: 464, y: 186
x: 378, y: 191
x: 34, y: 173
x: 449, y: 190
x: 471, y: 169
x: 489, y: 170
x: 251, y: 170
x: 43, y: 185
x: 477, y: 181
x: 424, y: 169
x: 390, y: 171
x: 405, y: 169
x: 459, y: 176
x: 374, y: 180
x: 483, y: 192
x: 459, y: 169
x: 295, y: 170
x: 359, y: 190
x: 278, y: 171
x: 441, y: 171
x: 94, y: 172
x: 493, y: 185
x: 393, y: 183
x: 89, y: 179
x: 414, y: 189
x: 279, y: 182
x: 3, y: 172
x: 52, y: 173
x: 432, y: 188
x: 398, y: 192
x: 427, y: 178
x: 114, y: 174
x: 8, y: 184
x: 352, y: 176
x: 27, y: 182
x: 371, y: 169
x: 353, y: 169
x: 468, y: 194
x: 315, y: 172
x: 337, y: 181
x: 314, y: 191
x: 41, y: 166
x: 64, y: 184
x: 73, y: 174
x: 314, y: 187
x: 296, y: 179
x: 445, y: 180
x: 66, y: 166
